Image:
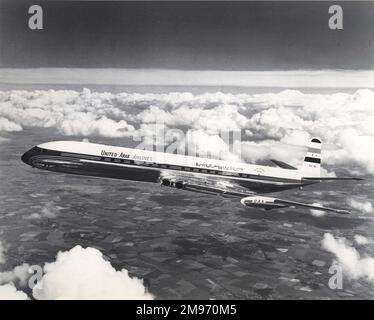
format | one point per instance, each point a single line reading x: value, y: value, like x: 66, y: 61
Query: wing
x: 216, y: 186
x: 229, y: 188
x: 309, y: 206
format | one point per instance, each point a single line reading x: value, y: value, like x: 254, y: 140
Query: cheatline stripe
x: 265, y: 181
x: 314, y: 160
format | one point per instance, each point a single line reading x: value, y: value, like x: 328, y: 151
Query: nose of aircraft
x: 28, y: 155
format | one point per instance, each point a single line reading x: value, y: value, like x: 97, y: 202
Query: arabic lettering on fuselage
x: 218, y: 166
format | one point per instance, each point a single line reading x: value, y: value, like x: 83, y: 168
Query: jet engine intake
x: 173, y: 184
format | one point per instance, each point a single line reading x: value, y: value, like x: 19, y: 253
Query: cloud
x: 19, y: 275
x: 6, y: 125
x: 87, y: 124
x: 354, y: 147
x: 199, y: 116
x: 272, y: 124
x: 363, y: 206
x: 361, y: 240
x: 353, y: 264
x: 70, y: 112
x: 82, y: 273
x: 327, y: 173
x: 317, y: 213
x: 253, y: 151
x: 9, y: 292
x: 48, y: 211
x: 204, y: 145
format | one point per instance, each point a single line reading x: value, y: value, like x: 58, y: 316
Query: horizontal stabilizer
x: 283, y: 165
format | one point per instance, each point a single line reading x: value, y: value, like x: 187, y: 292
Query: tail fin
x: 311, y: 166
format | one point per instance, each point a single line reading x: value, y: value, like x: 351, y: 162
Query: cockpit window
x: 316, y: 140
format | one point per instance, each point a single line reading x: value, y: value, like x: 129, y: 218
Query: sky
x: 240, y: 36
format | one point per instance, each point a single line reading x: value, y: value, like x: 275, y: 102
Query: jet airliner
x: 249, y: 182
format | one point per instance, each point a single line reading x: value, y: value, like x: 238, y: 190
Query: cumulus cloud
x: 354, y: 146
x: 317, y: 213
x: 9, y: 292
x: 361, y: 240
x: 18, y: 275
x: 6, y: 125
x: 201, y: 144
x: 200, y: 116
x: 327, y: 173
x: 87, y: 124
x: 82, y: 273
x: 349, y: 258
x: 252, y: 151
x: 363, y: 206
x: 70, y: 112
x: 48, y: 211
x: 274, y: 124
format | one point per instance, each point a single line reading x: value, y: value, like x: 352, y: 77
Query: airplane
x: 249, y: 182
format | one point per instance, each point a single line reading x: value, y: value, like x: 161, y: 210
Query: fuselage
x: 100, y: 160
